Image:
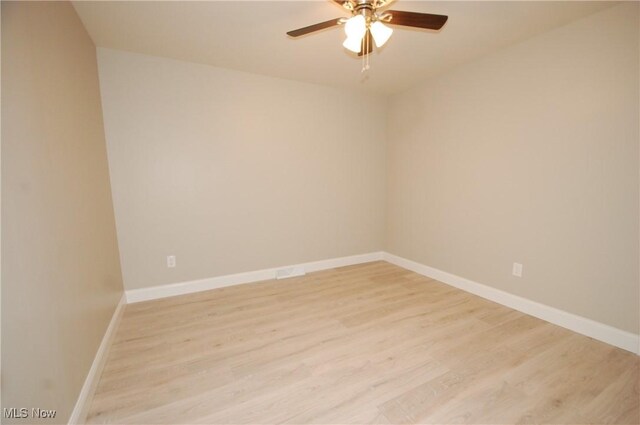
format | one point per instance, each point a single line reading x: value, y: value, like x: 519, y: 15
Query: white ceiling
x: 250, y: 36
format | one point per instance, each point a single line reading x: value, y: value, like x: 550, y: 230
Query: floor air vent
x: 290, y: 272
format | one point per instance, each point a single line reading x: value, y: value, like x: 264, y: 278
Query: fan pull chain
x: 364, y: 49
x: 365, y: 56
x: 366, y: 68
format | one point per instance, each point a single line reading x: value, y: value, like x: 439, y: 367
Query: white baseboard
x: 163, y: 291
x: 80, y: 410
x: 605, y: 333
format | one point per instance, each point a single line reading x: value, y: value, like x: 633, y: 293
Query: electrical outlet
x: 171, y: 261
x: 517, y: 269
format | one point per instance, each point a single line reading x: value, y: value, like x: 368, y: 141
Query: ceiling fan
x: 368, y: 22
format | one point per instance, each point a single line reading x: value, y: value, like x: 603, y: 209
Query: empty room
x: 320, y: 212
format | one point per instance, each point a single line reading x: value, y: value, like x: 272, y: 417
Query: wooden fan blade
x: 418, y: 20
x: 315, y: 27
x: 367, y: 44
x: 341, y: 2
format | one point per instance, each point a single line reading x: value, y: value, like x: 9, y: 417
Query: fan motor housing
x: 364, y: 8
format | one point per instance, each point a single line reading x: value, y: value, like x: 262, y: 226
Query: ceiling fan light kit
x: 381, y: 33
x: 353, y: 43
x: 367, y: 22
x: 355, y: 28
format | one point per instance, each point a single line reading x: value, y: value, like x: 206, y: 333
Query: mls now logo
x: 23, y: 412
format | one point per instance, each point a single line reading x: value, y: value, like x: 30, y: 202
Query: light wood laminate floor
x: 371, y: 343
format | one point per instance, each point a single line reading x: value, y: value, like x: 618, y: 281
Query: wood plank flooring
x: 371, y: 343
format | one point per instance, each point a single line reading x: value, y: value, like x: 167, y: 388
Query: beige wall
x: 529, y: 155
x: 233, y: 172
x: 61, y: 276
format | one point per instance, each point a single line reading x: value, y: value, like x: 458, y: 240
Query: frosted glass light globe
x: 355, y: 27
x: 380, y: 33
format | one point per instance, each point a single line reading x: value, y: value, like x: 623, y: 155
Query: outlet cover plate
x: 517, y: 269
